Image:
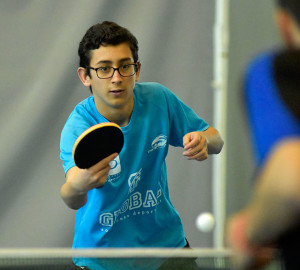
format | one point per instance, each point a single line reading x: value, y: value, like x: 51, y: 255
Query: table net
x: 123, y: 259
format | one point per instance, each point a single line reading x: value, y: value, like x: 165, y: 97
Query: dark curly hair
x: 287, y: 78
x: 105, y: 33
x: 291, y: 6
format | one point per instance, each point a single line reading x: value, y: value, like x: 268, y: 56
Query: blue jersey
x: 270, y: 120
x: 133, y: 208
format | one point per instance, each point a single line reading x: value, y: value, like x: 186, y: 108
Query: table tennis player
x: 123, y: 200
x: 272, y: 218
x: 272, y: 106
x: 261, y: 100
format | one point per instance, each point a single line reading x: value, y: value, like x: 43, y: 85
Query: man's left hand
x: 195, y: 146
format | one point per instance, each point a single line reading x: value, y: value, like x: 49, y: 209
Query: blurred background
x: 39, y: 88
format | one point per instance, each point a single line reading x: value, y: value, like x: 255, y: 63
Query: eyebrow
x: 110, y: 62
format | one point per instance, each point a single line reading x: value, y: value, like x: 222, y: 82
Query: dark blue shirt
x: 270, y: 120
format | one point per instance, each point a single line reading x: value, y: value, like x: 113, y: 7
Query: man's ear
x: 284, y: 24
x: 85, y: 79
x: 137, y: 74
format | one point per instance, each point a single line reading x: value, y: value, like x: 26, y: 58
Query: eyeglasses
x: 107, y: 72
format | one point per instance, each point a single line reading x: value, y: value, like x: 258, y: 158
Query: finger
x: 186, y: 139
x: 87, y: 179
x: 199, y: 153
x: 193, y: 150
x: 103, y: 163
x: 196, y: 147
x: 202, y: 155
x: 101, y: 177
x: 98, y: 178
x: 194, y: 139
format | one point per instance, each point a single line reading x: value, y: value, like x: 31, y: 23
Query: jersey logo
x: 115, y: 170
x: 159, y: 142
x: 133, y: 180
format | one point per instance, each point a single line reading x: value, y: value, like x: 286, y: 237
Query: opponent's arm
x: 273, y: 210
x: 80, y: 181
x: 199, y: 144
x: 275, y: 206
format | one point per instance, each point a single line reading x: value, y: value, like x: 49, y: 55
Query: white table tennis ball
x: 205, y: 222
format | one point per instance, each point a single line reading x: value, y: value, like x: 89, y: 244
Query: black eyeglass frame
x: 118, y: 69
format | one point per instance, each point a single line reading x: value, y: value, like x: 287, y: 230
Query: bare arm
x: 215, y: 142
x: 199, y: 144
x: 275, y: 206
x: 273, y: 210
x: 80, y: 181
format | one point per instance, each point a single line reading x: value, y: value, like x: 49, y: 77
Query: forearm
x: 80, y: 181
x: 269, y: 218
x: 72, y: 197
x: 275, y: 206
x: 214, y: 141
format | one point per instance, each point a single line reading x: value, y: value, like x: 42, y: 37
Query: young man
x: 261, y: 97
x: 272, y: 106
x: 128, y: 205
x: 273, y: 214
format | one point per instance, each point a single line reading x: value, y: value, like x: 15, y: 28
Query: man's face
x: 115, y: 92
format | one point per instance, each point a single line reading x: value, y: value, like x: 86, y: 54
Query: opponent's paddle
x: 97, y: 143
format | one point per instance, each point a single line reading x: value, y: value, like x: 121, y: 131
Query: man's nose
x: 116, y: 76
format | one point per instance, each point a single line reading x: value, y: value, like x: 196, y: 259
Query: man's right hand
x: 80, y: 181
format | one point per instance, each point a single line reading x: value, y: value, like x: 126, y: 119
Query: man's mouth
x: 116, y: 92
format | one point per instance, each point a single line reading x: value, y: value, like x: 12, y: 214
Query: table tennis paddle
x: 97, y: 143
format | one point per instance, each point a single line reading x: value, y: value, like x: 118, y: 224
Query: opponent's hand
x: 195, y: 146
x: 246, y: 256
